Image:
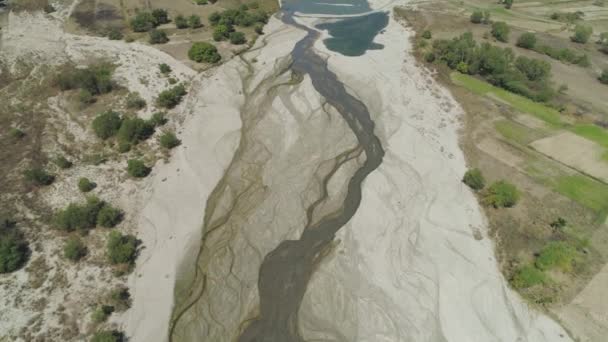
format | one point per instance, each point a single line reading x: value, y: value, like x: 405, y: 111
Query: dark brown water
x: 286, y: 271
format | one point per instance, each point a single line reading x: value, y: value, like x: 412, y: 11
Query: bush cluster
x: 568, y: 17
x: 137, y: 168
x: 501, y: 194
x: 171, y: 97
x: 108, y: 336
x: 169, y: 140
x: 121, y: 249
x: 603, y: 76
x: 474, y: 179
x: 164, y: 68
x: 500, y: 31
x: 101, y: 313
x: 237, y: 38
x: 13, y: 247
x: 158, y: 36
x: 193, y: 21
x: 238, y: 17
x: 85, y: 185
x: 96, y: 79
x: 107, y: 124
x: 582, y: 34
x: 38, y: 176
x: 527, y: 40
x: 204, y: 52
x: 62, y: 162
x: 94, y: 212
x: 480, y: 17
x: 497, y: 65
x: 564, y: 55
x: 146, y: 21
x: 134, y: 101
x: 132, y: 131
x: 74, y: 249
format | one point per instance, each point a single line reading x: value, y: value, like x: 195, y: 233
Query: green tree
x: 168, y: 140
x: 474, y: 179
x: 74, y: 249
x: 13, y: 247
x: 158, y: 36
x: 143, y: 21
x: 109, y: 217
x: 171, y: 97
x: 121, y: 249
x: 136, y: 168
x: 133, y: 130
x: 204, y: 52
x: 79, y: 216
x: 160, y: 16
x: 237, y: 38
x: 194, y: 21
x: 85, y: 185
x: 164, y: 68
x: 158, y: 119
x: 476, y: 17
x: 500, y: 31
x: 181, y: 22
x: 604, y: 77
x: 501, y: 194
x: 534, y: 69
x: 38, y: 176
x: 527, y: 40
x: 107, y: 124
x: 220, y: 32
x: 582, y: 34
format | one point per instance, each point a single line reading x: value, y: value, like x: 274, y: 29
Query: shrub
x: 194, y: 21
x: 214, y: 18
x: 115, y: 34
x: 533, y: 69
x: 508, y: 3
x: 107, y: 124
x: 204, y: 52
x: 427, y: 34
x: 237, y: 38
x: 134, y: 101
x: 108, y: 216
x: 604, y: 77
x: 221, y: 32
x: 259, y: 28
x: 101, y: 313
x: 476, y: 17
x: 63, y: 162
x: 158, y: 36
x: 74, y: 249
x: 143, y: 21
x: 559, y: 223
x: 474, y: 179
x: 48, y: 8
x: 120, y: 298
x: 181, y: 22
x: 201, y: 2
x: 556, y: 254
x: 160, y: 16
x: 16, y: 133
x: 501, y: 194
x: 136, y: 168
x: 500, y: 31
x: 13, y: 247
x: 38, y: 176
x: 133, y: 130
x: 171, y: 97
x: 582, y: 34
x: 121, y: 249
x: 79, y: 216
x: 527, y: 40
x: 97, y: 79
x: 85, y: 185
x: 164, y: 68
x: 169, y: 140
x: 108, y: 336
x: 528, y: 276
x: 158, y: 119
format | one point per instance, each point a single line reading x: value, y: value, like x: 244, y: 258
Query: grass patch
x: 593, y: 133
x: 522, y: 104
x: 556, y: 254
x: 586, y: 191
x: 516, y: 132
x: 528, y: 276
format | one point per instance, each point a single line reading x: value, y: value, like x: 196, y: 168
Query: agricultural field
x: 552, y: 245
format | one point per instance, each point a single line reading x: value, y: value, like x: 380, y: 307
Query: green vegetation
x: 134, y: 101
x: 500, y: 31
x: 85, y: 97
x: 221, y: 32
x: 238, y: 17
x: 528, y: 276
x: 168, y: 140
x: 121, y: 249
x: 237, y: 38
x: 132, y: 131
x: 582, y: 34
x: 508, y: 3
x: 556, y: 254
x: 160, y: 16
x: 516, y: 132
x: 164, y: 68
x: 158, y: 36
x: 202, y: 2
x: 527, y: 40
x: 258, y: 28
x: 136, y: 168
x: 427, y: 34
x: 480, y: 17
x: 171, y: 97
x: 87, y: 215
x: 16, y: 133
x: 592, y: 132
x: 501, y: 194
x: 101, y: 313
x: 108, y: 336
x: 180, y: 22
x: 13, y: 247
x: 568, y: 17
x: 603, y: 76
x: 74, y: 249
x: 115, y: 34
x: 38, y: 176
x: 146, y: 21
x: 497, y: 65
x: 586, y: 191
x: 474, y: 179
x: 520, y: 103
x: 194, y: 21
x: 107, y: 124
x: 62, y: 162
x: 96, y: 79
x: 85, y: 185
x: 120, y: 298
x: 158, y: 119
x: 564, y: 55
